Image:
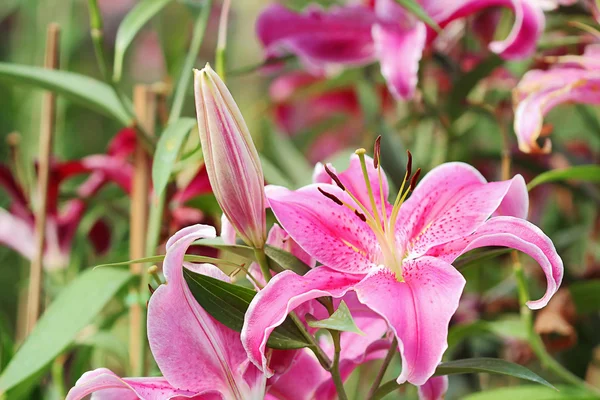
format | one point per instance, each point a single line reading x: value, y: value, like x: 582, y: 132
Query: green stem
x: 335, y: 367
x: 261, y: 257
x: 222, y: 40
x: 186, y: 72
x: 386, y: 362
x: 535, y: 340
x: 97, y: 33
x: 385, y: 389
x: 58, y: 376
x: 314, y: 346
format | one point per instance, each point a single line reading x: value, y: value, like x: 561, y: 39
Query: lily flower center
x: 380, y: 218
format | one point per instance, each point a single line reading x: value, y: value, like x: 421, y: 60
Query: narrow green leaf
x: 463, y: 85
x: 238, y: 249
x: 130, y: 26
x: 415, y: 8
x: 227, y: 303
x: 272, y: 173
x: 280, y: 149
x: 286, y: 260
x: 476, y: 257
x: 340, y: 320
x: 79, y: 88
x: 586, y: 296
x: 490, y: 366
x: 167, y: 149
x: 533, y: 392
x: 160, y: 258
x: 589, y: 173
x: 503, y: 327
x: 74, y: 308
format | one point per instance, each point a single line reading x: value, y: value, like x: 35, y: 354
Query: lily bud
x: 232, y: 162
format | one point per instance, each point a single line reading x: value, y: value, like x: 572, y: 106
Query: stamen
x: 153, y: 271
x: 331, y: 197
x: 360, y: 215
x: 335, y: 178
x: 361, y: 155
x: 151, y: 289
x: 408, y: 166
x: 377, y: 152
x: 413, y: 181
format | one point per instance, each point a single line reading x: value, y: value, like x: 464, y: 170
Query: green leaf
x: 79, y: 88
x: 227, y: 303
x: 533, y: 392
x: 503, y: 327
x: 490, y: 366
x: 160, y: 258
x: 130, y: 26
x: 74, y: 308
x: 589, y: 173
x: 415, y: 8
x: 476, y: 257
x: 286, y: 260
x: 280, y: 149
x: 167, y: 149
x: 272, y: 174
x: 586, y: 296
x: 238, y: 249
x: 340, y: 320
x: 463, y: 85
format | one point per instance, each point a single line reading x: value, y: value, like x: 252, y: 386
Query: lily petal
x: 328, y: 232
x: 518, y: 234
x: 192, y: 350
x: 452, y: 201
x: 399, y: 50
x: 540, y: 91
x: 418, y: 310
x: 106, y: 385
x: 340, y: 35
x: 283, y: 294
x: 17, y: 234
x: 527, y: 27
x: 434, y: 389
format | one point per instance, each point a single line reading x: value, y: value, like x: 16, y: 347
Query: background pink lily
x: 572, y: 79
x: 356, y: 35
x: 17, y: 226
x: 198, y: 356
x: 403, y: 273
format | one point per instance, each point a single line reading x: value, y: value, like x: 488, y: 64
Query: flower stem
x: 385, y: 389
x: 535, y: 341
x: 222, y: 40
x: 190, y: 58
x: 335, y: 367
x: 386, y: 362
x: 261, y: 257
x: 314, y: 346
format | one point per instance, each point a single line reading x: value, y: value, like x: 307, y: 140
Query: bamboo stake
x: 45, y: 150
x: 144, y: 102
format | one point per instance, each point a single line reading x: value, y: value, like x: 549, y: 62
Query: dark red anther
x: 413, y: 181
x: 408, y: 165
x: 377, y: 151
x: 151, y: 289
x: 331, y: 197
x: 360, y: 215
x: 335, y: 178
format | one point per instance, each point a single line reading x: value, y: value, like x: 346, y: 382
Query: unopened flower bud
x: 232, y: 162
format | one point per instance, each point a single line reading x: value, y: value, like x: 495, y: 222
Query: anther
x: 335, y: 178
x: 151, y: 289
x: 360, y: 215
x: 408, y: 165
x: 331, y: 197
x: 377, y: 151
x: 413, y: 181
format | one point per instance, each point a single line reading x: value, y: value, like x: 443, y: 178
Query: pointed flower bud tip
x: 377, y: 151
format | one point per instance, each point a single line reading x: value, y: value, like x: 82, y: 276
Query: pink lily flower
x: 231, y: 160
x: 572, y: 79
x: 356, y: 35
x: 396, y: 258
x: 198, y: 356
x: 434, y: 389
x: 17, y: 226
